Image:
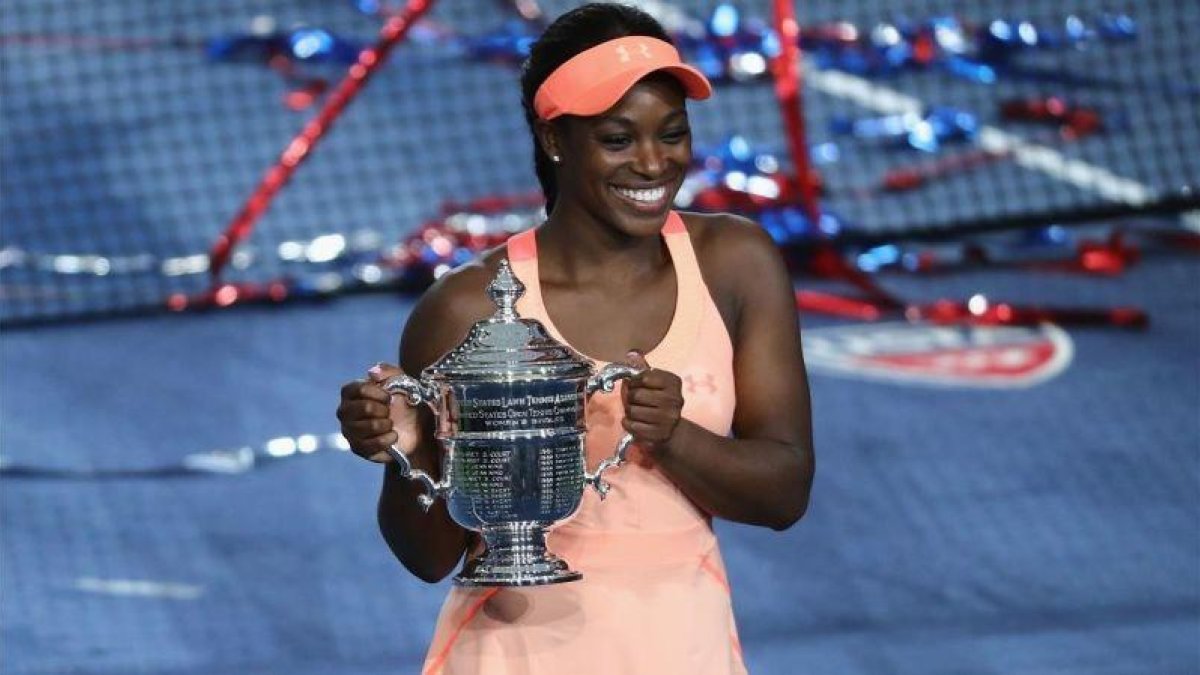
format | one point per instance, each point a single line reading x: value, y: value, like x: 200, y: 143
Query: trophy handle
x: 606, y: 381
x: 416, y: 392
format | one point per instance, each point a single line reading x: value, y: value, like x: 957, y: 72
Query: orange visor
x: 594, y: 80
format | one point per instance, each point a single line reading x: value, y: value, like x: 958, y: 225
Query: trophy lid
x: 506, y: 346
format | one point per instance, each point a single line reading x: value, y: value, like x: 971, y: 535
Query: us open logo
x: 950, y: 356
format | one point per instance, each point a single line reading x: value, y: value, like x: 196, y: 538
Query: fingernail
x: 375, y: 369
x: 632, y: 354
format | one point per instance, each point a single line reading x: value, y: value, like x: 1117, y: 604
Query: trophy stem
x: 516, y: 556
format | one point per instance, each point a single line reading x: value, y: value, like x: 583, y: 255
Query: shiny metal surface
x: 509, y: 403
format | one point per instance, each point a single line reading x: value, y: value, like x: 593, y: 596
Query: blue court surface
x: 173, y: 498
x: 1047, y: 529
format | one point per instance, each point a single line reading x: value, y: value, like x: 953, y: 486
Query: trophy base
x: 516, y: 556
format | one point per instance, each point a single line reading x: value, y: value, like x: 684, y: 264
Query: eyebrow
x: 625, y: 121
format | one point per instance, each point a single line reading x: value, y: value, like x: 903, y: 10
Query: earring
x: 555, y: 158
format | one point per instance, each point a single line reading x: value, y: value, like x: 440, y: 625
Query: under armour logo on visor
x: 623, y: 52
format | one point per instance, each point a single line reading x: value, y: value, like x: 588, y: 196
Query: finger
x: 367, y: 429
x: 642, y: 396
x: 636, y: 382
x: 374, y: 446
x: 363, y: 409
x: 374, y: 409
x: 655, y: 398
x: 643, y: 431
x: 375, y: 392
x: 361, y: 389
x: 658, y: 379
x: 655, y: 417
x: 642, y: 380
x: 666, y: 406
x: 637, y: 359
x: 381, y: 372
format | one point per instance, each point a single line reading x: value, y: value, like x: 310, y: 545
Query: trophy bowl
x: 509, y: 403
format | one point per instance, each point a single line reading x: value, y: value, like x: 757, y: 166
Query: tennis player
x: 720, y: 417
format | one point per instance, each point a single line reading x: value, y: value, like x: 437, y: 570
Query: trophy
x: 509, y: 403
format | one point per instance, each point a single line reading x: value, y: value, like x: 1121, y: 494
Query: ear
x: 548, y: 138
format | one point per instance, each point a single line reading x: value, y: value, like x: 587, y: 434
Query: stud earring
x: 555, y: 158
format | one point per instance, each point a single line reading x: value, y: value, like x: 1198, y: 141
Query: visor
x: 594, y: 80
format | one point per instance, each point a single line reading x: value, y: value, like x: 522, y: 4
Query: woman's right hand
x: 372, y: 421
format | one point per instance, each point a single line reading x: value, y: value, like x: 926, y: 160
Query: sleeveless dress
x: 654, y: 597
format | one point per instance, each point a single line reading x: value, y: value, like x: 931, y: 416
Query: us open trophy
x: 509, y: 403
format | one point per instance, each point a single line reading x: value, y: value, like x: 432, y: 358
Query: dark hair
x: 576, y: 31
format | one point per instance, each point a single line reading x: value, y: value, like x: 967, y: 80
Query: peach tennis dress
x: 654, y: 597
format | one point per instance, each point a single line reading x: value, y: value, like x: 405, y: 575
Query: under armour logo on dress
x: 707, y: 383
x: 623, y: 52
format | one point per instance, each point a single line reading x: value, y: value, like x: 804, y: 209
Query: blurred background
x: 212, y: 214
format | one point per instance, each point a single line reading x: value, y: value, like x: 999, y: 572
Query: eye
x: 676, y: 135
x: 615, y: 141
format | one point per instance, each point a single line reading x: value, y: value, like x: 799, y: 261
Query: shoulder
x: 726, y: 234
x: 462, y: 290
x: 446, y: 311
x: 728, y: 247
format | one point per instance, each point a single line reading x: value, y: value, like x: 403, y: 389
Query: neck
x: 577, y: 246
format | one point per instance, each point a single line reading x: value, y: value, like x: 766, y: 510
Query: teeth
x: 643, y: 195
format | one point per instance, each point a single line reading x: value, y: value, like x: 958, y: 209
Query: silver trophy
x: 509, y: 403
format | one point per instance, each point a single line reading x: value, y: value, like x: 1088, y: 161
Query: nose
x: 651, y: 159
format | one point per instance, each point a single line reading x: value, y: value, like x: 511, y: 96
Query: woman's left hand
x: 653, y: 404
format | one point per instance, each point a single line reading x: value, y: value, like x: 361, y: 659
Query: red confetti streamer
x: 839, y: 305
x: 785, y: 68
x: 299, y: 149
x: 954, y: 312
x: 1074, y: 122
x: 1005, y: 314
x: 911, y: 178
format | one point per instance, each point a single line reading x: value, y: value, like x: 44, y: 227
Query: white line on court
x: 139, y: 588
x: 1032, y: 156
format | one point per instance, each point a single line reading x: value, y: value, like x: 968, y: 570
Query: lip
x: 654, y: 207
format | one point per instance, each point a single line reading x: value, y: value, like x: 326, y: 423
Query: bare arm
x: 764, y: 474
x: 430, y: 544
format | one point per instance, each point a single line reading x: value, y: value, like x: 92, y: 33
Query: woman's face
x: 625, y: 165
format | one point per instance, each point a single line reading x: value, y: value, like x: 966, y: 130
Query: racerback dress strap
x: 522, y: 257
x: 691, y: 295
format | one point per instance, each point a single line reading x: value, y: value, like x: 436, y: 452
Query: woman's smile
x: 651, y: 201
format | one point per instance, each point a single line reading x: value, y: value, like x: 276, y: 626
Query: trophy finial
x: 505, y: 289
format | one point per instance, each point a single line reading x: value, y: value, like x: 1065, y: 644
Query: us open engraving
x: 491, y: 407
x: 541, y: 483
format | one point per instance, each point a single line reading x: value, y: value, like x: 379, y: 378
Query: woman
x: 720, y: 416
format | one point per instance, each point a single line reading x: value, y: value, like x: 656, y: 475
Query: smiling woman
x: 626, y: 163
x: 719, y: 414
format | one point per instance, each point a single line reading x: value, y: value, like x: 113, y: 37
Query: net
x: 135, y: 131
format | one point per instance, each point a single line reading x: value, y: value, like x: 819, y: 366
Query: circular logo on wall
x: 964, y: 356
